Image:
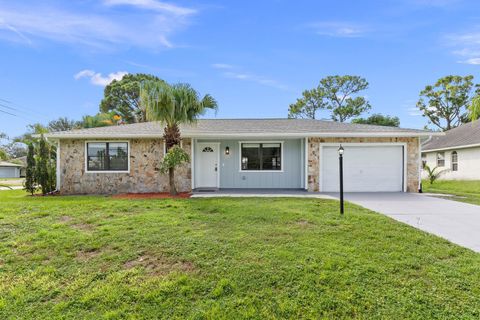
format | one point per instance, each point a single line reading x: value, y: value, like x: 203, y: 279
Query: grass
x: 465, y: 190
x: 224, y: 258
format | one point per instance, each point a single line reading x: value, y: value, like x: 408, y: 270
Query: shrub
x: 433, y: 174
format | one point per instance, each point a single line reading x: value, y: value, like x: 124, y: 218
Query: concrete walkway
x: 11, y: 188
x: 455, y: 221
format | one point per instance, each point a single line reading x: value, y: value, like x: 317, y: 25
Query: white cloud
x: 222, y: 66
x: 233, y: 72
x: 152, y: 5
x: 414, y: 112
x: 434, y: 3
x: 466, y: 45
x: 97, y: 78
x: 475, y: 61
x: 108, y: 31
x: 338, y: 29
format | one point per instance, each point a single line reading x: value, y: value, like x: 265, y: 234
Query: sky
x: 254, y: 57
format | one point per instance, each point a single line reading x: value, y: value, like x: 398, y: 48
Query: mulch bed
x: 159, y: 195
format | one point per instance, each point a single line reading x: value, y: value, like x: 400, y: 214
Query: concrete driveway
x: 455, y: 221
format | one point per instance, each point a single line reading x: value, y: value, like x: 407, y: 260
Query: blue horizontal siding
x: 292, y: 175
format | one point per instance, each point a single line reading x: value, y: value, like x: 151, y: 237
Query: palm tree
x: 173, y: 105
x: 475, y: 108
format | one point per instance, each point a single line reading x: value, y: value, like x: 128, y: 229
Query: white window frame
x: 452, y: 162
x: 444, y: 160
x: 282, y: 161
x: 107, y: 171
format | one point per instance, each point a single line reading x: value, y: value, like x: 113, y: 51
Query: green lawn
x: 466, y: 191
x: 98, y: 257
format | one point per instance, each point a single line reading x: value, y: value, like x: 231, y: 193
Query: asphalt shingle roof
x: 212, y: 127
x: 9, y: 164
x: 464, y: 135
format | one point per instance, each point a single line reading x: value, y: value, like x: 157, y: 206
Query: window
x: 440, y: 159
x: 261, y: 156
x: 107, y: 156
x: 454, y: 161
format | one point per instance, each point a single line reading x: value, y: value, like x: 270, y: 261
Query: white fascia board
x: 246, y: 135
x: 453, y: 148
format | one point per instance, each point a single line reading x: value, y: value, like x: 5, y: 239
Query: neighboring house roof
x: 243, y: 128
x: 9, y: 164
x: 464, y: 136
x: 21, y: 160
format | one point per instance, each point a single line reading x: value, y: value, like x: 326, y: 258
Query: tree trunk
x: 171, y: 176
x: 171, y: 135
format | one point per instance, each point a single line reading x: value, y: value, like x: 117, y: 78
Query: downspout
x: 420, y: 167
x: 57, y: 169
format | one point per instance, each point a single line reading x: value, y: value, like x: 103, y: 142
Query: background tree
x: 339, y: 94
x: 43, y: 163
x: 445, y: 103
x: 100, y: 120
x: 32, y: 130
x: 173, y: 105
x: 379, y: 119
x: 63, y: 124
x: 474, y: 109
x: 29, y: 184
x: 307, y: 106
x: 123, y: 97
x: 3, y: 152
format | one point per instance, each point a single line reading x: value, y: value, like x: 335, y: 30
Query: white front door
x: 207, y: 165
x: 366, y: 168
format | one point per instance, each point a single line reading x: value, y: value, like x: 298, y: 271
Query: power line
x: 8, y: 113
x: 2, y: 105
x: 16, y: 115
x: 20, y: 108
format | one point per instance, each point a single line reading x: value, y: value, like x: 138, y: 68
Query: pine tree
x: 42, y: 166
x: 52, y: 174
x: 29, y: 184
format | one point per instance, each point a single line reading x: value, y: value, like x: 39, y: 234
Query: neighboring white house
x: 9, y: 170
x: 457, y: 152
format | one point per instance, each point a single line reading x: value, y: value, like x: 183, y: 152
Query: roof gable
x: 467, y: 134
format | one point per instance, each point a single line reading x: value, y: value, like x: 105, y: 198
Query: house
x: 23, y: 162
x: 9, y: 169
x: 240, y: 153
x: 457, y: 153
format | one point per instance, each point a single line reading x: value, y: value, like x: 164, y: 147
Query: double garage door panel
x: 8, y: 172
x: 366, y: 169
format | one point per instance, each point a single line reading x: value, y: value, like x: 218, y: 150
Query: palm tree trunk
x: 171, y: 135
x: 171, y: 176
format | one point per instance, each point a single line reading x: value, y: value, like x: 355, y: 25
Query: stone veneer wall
x: 413, y: 158
x: 144, y: 175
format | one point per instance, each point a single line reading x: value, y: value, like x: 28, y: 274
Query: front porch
x: 250, y: 163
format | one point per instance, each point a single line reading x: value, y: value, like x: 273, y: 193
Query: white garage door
x: 366, y: 168
x: 9, y: 172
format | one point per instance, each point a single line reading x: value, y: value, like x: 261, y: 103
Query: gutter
x: 249, y: 134
x: 453, y: 147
